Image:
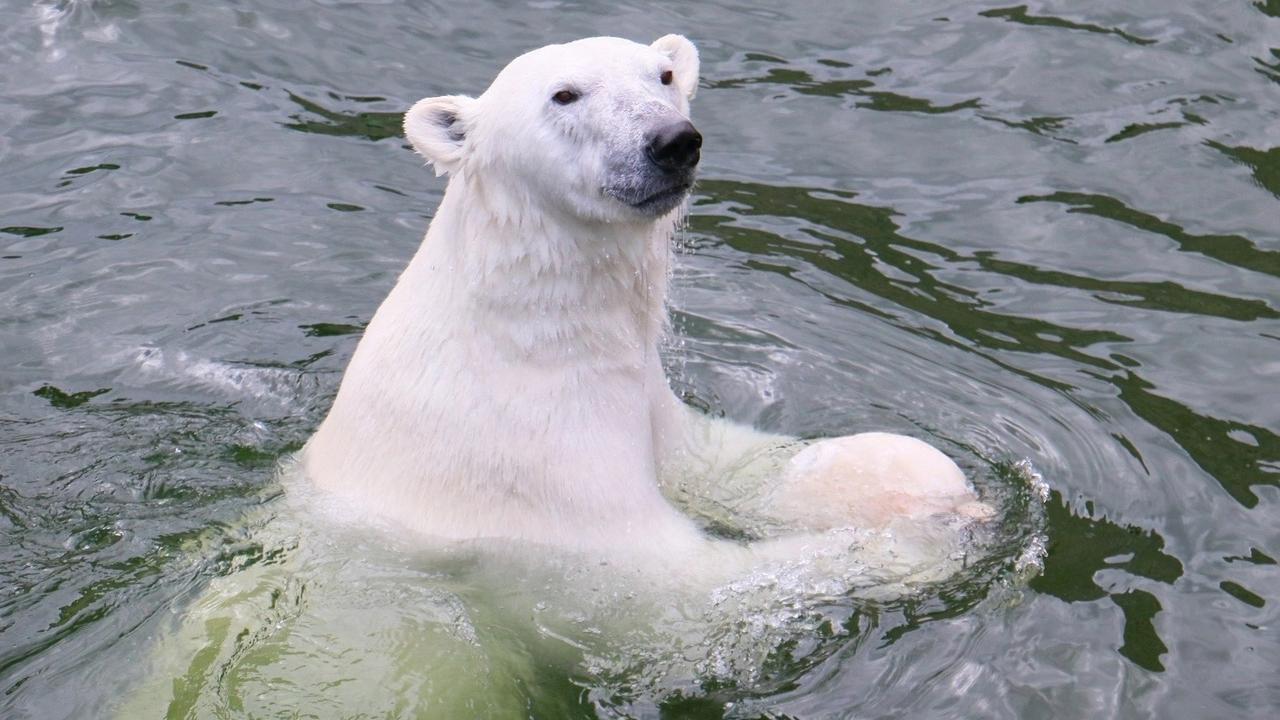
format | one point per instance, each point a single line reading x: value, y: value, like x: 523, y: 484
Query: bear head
x: 597, y: 129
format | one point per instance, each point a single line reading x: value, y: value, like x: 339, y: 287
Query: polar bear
x: 509, y: 393
x: 510, y: 385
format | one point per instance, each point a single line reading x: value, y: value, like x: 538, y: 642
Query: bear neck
x: 545, y: 287
x: 506, y: 386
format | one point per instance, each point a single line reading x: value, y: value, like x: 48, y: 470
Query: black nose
x: 675, y: 146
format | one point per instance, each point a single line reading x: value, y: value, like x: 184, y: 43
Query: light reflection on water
x: 1032, y: 231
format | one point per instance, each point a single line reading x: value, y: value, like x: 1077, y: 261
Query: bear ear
x: 684, y: 59
x: 437, y: 129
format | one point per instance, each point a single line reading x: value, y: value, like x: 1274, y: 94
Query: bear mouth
x: 662, y: 200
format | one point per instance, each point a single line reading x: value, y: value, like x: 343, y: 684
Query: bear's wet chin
x: 653, y: 200
x: 663, y: 201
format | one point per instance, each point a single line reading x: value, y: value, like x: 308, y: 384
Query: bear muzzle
x: 674, y: 147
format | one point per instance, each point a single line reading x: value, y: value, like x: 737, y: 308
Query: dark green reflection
x: 1142, y: 644
x: 1268, y: 7
x: 900, y: 269
x: 371, y: 125
x: 1213, y: 444
x: 1133, y: 130
x: 1270, y: 70
x: 1255, y: 556
x: 92, y: 168
x: 62, y: 399
x: 1019, y: 14
x: 1079, y: 547
x: 24, y: 231
x: 800, y: 81
x: 1231, y: 249
x: 232, y: 203
x: 1165, y: 296
x: 113, y: 582
x: 331, y: 329
x: 1242, y: 593
x: 254, y: 457
x: 1264, y: 164
x: 1043, y: 126
x: 960, y: 308
x: 805, y: 84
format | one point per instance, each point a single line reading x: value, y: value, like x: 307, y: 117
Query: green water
x: 1047, y: 232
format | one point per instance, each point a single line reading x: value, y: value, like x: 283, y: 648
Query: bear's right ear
x: 437, y: 129
x: 684, y: 59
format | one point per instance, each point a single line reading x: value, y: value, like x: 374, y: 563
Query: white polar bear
x: 509, y: 391
x: 510, y: 385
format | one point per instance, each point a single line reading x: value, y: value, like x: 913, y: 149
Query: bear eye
x: 666, y: 77
x: 564, y: 97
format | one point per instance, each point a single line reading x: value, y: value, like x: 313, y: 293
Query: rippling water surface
x: 1047, y: 231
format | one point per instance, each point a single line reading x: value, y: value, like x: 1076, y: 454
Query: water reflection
x: 1047, y: 126
x: 915, y: 286
x: 804, y: 83
x: 1270, y: 69
x: 1264, y: 164
x: 1019, y: 14
x: 369, y: 125
x: 1232, y: 249
x: 863, y: 244
x: 1082, y: 546
x: 61, y: 399
x: 1237, y: 455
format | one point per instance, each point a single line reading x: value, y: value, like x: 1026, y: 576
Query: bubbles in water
x: 1034, y: 480
x: 1031, y: 560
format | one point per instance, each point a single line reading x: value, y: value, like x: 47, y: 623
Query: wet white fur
x: 510, y: 385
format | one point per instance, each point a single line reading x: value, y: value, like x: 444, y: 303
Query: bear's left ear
x: 684, y: 60
x: 437, y: 129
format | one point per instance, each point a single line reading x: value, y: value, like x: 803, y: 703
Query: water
x: 1046, y: 232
